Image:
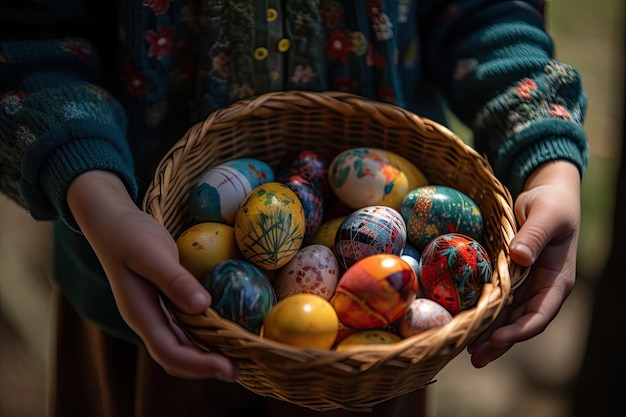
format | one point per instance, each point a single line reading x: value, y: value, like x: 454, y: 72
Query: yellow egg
x: 270, y: 225
x: 325, y: 235
x: 367, y: 337
x: 302, y: 320
x: 204, y: 245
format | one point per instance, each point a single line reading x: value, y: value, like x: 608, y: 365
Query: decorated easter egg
x: 204, y: 245
x: 375, y: 292
x: 240, y: 292
x: 367, y: 338
x: 423, y: 314
x: 302, y: 320
x: 219, y: 191
x: 314, y: 270
x: 368, y: 231
x: 453, y: 271
x: 311, y: 200
x: 433, y: 210
x: 269, y: 226
x: 366, y: 176
x: 310, y: 164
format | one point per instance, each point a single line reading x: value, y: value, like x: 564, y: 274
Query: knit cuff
x: 543, y: 141
x: 65, y: 152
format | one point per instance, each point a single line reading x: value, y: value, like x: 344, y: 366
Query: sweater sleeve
x: 56, y: 123
x: 495, y: 63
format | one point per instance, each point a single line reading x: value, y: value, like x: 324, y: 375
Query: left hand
x: 548, y: 211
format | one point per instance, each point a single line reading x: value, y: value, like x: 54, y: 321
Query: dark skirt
x: 98, y: 375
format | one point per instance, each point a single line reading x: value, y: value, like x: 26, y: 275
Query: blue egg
x: 433, y: 210
x: 216, y: 196
x: 240, y: 292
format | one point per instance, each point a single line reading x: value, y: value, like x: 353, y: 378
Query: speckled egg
x: 269, y: 226
x: 217, y: 194
x: 302, y: 320
x: 311, y: 200
x: 367, y: 338
x: 375, y: 292
x: 240, y: 292
x: 310, y: 164
x: 314, y: 270
x: 203, y: 246
x: 366, y: 176
x: 368, y: 231
x: 433, y: 210
x: 424, y: 314
x: 453, y: 271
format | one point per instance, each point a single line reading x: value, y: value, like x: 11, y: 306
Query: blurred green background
x: 533, y: 379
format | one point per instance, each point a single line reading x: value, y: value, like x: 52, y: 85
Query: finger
x: 178, y: 285
x: 146, y: 317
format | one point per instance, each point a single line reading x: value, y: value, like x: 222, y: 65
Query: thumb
x: 174, y: 281
x: 536, y: 228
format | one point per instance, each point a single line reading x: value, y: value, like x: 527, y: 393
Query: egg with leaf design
x: 270, y: 226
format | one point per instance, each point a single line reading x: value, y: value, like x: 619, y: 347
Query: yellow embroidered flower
x: 283, y: 45
x: 260, y: 53
x: 272, y: 14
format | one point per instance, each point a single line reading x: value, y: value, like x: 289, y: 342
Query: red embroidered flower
x: 160, y: 42
x: 559, y: 111
x: 136, y: 81
x: 76, y: 47
x: 158, y: 6
x: 338, y: 45
x: 525, y: 88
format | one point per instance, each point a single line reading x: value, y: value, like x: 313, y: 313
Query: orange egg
x: 302, y: 320
x: 375, y: 291
x: 204, y: 245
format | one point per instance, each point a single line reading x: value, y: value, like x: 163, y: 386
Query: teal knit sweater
x: 84, y: 85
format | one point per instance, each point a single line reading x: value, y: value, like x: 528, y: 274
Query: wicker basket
x: 269, y: 127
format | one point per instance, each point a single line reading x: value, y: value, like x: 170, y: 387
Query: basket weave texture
x: 271, y: 126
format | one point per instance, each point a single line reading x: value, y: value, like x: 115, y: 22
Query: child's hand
x: 140, y: 259
x: 549, y: 214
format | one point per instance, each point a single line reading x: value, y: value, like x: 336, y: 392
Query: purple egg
x: 311, y: 199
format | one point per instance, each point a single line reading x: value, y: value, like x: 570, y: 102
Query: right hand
x: 140, y: 259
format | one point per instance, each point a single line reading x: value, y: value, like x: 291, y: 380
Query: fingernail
x: 198, y: 301
x: 524, y: 250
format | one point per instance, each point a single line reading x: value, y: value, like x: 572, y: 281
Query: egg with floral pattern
x: 432, y: 210
x: 453, y: 271
x: 367, y: 176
